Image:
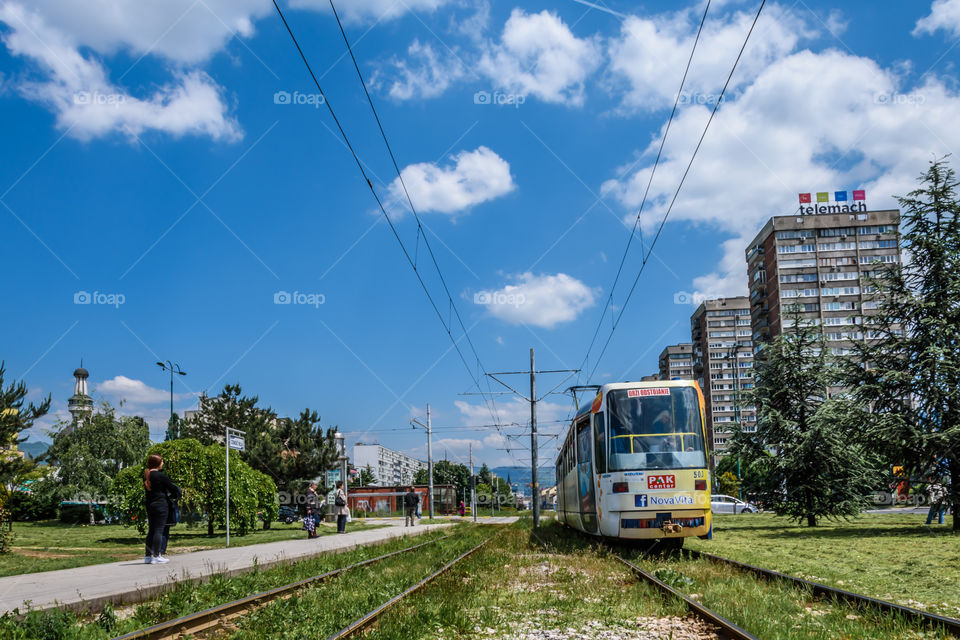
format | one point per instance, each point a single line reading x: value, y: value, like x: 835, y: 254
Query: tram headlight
x: 700, y: 485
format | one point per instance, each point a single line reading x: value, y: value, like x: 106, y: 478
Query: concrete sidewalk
x: 128, y: 582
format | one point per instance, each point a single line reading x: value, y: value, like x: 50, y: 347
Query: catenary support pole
x: 534, y: 484
x: 430, y: 460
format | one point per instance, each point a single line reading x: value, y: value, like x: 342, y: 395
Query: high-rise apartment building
x: 821, y: 263
x: 389, y: 467
x: 676, y: 362
x: 723, y: 366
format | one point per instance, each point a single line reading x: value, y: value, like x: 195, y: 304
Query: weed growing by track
x: 554, y: 585
x: 328, y: 607
x: 775, y: 610
x: 188, y: 598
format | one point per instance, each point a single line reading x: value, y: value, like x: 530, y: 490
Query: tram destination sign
x: 641, y: 393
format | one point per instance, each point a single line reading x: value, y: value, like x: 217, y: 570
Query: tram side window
x: 600, y: 442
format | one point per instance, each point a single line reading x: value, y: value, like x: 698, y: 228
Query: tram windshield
x: 655, y: 429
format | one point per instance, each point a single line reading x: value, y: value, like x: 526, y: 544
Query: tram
x: 634, y: 466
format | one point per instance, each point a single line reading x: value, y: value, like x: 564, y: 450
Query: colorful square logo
x: 823, y: 196
x: 839, y: 196
x: 804, y: 198
x: 860, y: 195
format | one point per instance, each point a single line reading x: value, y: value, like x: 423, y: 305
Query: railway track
x: 728, y: 629
x: 369, y: 618
x: 951, y: 625
x: 209, y: 619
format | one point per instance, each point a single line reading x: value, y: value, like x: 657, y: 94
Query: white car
x: 720, y: 503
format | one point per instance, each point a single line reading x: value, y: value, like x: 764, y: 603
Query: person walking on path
x: 313, y: 510
x: 936, y: 494
x: 461, y: 510
x: 410, y: 502
x: 340, y: 503
x: 159, y: 490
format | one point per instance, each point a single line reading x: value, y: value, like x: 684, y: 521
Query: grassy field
x: 50, y: 545
x: 890, y: 556
x: 189, y: 598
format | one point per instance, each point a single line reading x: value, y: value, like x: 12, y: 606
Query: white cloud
x: 476, y: 177
x: 809, y: 121
x: 944, y: 14
x: 423, y: 74
x: 77, y: 89
x: 135, y: 392
x: 371, y: 10
x: 542, y: 301
x: 651, y: 54
x: 538, y: 55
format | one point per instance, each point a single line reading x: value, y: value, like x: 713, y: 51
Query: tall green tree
x: 231, y: 408
x: 16, y: 416
x: 367, y: 478
x: 807, y: 462
x: 484, y: 474
x: 446, y: 472
x: 909, y: 383
x: 91, y: 453
x: 292, y: 451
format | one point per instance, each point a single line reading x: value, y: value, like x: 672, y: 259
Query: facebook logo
x: 640, y: 500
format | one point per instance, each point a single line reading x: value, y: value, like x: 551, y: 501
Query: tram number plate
x: 661, y: 481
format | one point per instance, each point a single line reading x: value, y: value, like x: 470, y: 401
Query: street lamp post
x: 413, y: 423
x: 172, y: 368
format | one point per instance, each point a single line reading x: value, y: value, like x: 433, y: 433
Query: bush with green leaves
x: 200, y: 472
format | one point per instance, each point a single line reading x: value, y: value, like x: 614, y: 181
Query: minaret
x: 80, y: 403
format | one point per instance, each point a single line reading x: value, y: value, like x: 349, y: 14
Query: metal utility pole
x: 429, y: 455
x: 473, y: 487
x: 534, y: 445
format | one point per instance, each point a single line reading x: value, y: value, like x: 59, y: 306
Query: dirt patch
x: 36, y: 553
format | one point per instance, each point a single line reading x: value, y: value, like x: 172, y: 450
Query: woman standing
x: 340, y: 501
x: 159, y: 489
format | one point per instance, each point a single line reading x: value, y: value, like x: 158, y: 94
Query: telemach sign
x: 838, y: 204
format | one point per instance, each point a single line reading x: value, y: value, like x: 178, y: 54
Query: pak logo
x: 662, y: 482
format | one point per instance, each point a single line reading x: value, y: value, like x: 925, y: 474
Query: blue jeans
x: 936, y: 510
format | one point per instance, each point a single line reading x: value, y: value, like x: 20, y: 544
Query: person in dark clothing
x: 158, y: 491
x: 340, y: 502
x: 313, y: 510
x: 410, y: 502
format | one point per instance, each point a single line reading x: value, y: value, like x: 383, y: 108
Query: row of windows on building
x: 837, y: 231
x: 812, y: 262
x: 837, y: 246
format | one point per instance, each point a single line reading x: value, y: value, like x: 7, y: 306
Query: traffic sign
x: 236, y: 443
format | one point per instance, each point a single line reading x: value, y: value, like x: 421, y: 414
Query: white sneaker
x: 160, y: 560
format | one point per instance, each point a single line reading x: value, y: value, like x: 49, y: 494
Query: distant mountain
x: 34, y: 449
x: 546, y: 476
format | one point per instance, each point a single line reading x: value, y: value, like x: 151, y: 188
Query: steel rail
x: 214, y: 616
x: 729, y: 629
x: 367, y: 618
x: 934, y: 620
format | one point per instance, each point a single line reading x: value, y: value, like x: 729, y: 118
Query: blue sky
x: 176, y: 165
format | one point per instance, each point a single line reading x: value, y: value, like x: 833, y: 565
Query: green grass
x: 50, y: 545
x: 889, y: 556
x: 188, y: 598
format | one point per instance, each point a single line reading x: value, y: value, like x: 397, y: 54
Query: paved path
x: 133, y: 581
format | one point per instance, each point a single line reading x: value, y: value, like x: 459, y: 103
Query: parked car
x: 720, y: 503
x: 288, y: 514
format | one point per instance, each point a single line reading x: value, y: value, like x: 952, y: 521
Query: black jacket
x: 161, y: 487
x: 411, y: 499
